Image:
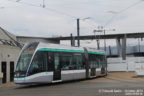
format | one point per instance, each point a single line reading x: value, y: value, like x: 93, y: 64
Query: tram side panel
x: 73, y: 66
x: 48, y: 66
x: 79, y: 61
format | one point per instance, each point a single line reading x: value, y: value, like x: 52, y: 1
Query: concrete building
x: 8, y: 59
x: 26, y: 39
x: 10, y: 47
x: 9, y: 50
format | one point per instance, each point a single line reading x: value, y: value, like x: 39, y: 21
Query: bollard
x: 1, y: 76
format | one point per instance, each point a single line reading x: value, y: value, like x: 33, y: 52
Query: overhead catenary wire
x: 116, y: 14
x: 50, y: 9
x: 66, y: 14
x: 43, y: 6
x: 121, y: 11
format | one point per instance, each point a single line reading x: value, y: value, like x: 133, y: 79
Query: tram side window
x: 99, y: 61
x: 103, y: 61
x: 78, y: 62
x: 39, y: 63
x: 95, y: 61
x: 50, y: 61
x: 56, y: 61
x: 66, y: 61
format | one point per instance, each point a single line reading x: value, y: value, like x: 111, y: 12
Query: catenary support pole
x: 78, y: 32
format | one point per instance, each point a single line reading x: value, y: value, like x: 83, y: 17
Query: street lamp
x: 97, y: 39
x: 78, y: 29
x: 100, y: 29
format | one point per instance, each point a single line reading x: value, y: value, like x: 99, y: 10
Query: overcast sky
x: 23, y: 19
x: 58, y: 18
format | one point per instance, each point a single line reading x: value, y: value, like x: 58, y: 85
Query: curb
x: 6, y: 84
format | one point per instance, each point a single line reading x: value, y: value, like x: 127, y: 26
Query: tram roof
x: 45, y: 46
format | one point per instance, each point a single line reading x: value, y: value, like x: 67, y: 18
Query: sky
x: 58, y: 17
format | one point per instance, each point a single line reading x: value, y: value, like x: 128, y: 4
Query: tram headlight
x: 17, y: 75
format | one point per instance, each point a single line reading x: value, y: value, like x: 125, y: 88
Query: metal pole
x: 110, y: 51
x: 104, y: 42
x: 96, y: 40
x: 118, y: 47
x: 78, y: 32
x: 43, y: 4
x: 99, y: 41
x: 71, y: 39
x: 98, y: 44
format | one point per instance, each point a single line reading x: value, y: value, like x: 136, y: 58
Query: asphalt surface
x: 93, y: 87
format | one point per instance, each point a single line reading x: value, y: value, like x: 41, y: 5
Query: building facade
x: 8, y: 59
x: 10, y: 47
x: 26, y: 39
x: 9, y: 50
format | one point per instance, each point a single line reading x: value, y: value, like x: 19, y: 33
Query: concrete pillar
x: 124, y: 47
x: 119, y: 47
x: 72, y: 40
x: 98, y: 44
x: 110, y: 53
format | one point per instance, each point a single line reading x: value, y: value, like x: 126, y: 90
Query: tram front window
x: 24, y: 60
x: 39, y: 63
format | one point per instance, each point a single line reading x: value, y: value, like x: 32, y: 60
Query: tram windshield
x: 25, y: 58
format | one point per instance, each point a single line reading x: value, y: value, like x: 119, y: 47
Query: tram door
x: 93, y: 71
x: 57, y: 69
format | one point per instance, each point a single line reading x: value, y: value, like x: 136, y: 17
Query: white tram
x: 48, y: 63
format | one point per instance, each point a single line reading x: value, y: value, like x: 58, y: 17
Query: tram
x: 48, y: 63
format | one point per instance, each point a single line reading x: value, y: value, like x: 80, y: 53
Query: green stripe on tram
x: 19, y: 77
x: 60, y: 50
x: 64, y: 50
x: 95, y: 53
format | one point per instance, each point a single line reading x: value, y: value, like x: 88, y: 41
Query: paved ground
x: 115, y: 84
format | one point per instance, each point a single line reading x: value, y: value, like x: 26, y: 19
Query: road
x: 109, y: 86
